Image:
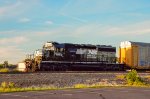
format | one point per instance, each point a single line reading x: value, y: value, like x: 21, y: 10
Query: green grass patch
x: 7, y: 85
x: 4, y: 70
x: 77, y: 86
x: 80, y: 86
x: 120, y: 77
x: 26, y: 89
x: 7, y: 70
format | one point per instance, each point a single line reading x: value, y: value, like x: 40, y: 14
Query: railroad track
x: 147, y: 72
x: 61, y: 78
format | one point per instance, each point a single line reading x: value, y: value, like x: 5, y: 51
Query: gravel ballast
x: 58, y: 79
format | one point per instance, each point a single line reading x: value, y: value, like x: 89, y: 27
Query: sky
x: 25, y: 25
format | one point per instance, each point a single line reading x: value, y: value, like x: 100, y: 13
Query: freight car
x: 66, y: 56
x: 135, y: 54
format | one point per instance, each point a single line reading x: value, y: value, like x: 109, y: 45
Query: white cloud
x: 11, y: 49
x: 82, y: 30
x: 8, y: 8
x: 12, y: 54
x: 7, y: 32
x: 16, y: 8
x: 13, y: 40
x: 49, y: 22
x: 94, y: 30
x: 74, y: 18
x: 139, y: 28
x: 41, y: 33
x: 88, y: 33
x: 134, y: 14
x: 24, y: 20
x: 86, y: 7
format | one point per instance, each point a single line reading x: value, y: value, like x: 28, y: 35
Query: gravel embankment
x: 58, y: 79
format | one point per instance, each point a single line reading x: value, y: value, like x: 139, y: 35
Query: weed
x: 133, y: 78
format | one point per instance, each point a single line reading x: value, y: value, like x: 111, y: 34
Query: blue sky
x: 25, y: 25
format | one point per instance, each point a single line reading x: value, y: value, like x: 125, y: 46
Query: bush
x: 11, y: 85
x: 133, y: 78
x: 4, y: 84
x: 7, y: 85
x: 4, y: 70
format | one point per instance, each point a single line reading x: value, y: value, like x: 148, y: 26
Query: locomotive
x: 56, y: 56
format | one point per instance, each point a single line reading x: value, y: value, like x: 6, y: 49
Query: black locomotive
x: 66, y: 56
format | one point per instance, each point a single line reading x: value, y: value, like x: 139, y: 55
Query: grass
x: 132, y: 80
x: 7, y: 70
x: 80, y: 86
x: 8, y: 90
x: 76, y: 86
x: 26, y: 89
x: 4, y: 70
x: 148, y: 77
x: 120, y: 77
x: 10, y: 87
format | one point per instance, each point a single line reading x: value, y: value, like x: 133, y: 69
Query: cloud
x: 57, y: 24
x: 7, y: 32
x: 83, y: 33
x: 24, y: 20
x: 139, y: 28
x: 74, y: 18
x: 12, y: 54
x: 13, y: 40
x: 49, y: 22
x: 16, y: 8
x: 82, y: 30
x: 86, y: 7
x: 133, y: 14
x: 8, y: 8
x: 41, y: 33
x: 94, y: 29
x: 11, y: 49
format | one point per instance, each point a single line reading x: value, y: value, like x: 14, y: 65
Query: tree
x: 5, y: 64
x: 1, y: 65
